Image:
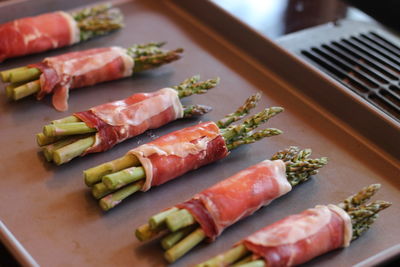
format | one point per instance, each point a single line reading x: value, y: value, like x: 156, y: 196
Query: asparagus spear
x: 144, y: 233
x: 362, y: 217
x: 171, y: 239
x: 240, y: 113
x: 113, y: 199
x: 184, y: 245
x: 70, y: 151
x: 43, y: 140
x: 146, y: 56
x: 227, y: 258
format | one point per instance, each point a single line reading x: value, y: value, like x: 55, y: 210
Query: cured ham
x: 238, y: 196
x: 37, y: 34
x: 123, y: 119
x: 301, y: 237
x: 79, y: 69
x: 179, y: 152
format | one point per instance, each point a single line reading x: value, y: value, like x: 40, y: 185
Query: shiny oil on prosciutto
x: 178, y: 152
x: 37, y: 34
x: 79, y: 69
x: 119, y: 120
x: 301, y: 237
x: 238, y: 196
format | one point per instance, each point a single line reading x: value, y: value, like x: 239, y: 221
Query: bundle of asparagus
x: 254, y: 187
x: 361, y: 216
x: 53, y: 30
x: 73, y: 136
x: 114, y: 181
x: 24, y: 81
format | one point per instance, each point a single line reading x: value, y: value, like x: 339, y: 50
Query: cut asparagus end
x: 227, y: 258
x: 157, y: 220
x: 26, y: 90
x: 186, y: 244
x: 244, y: 260
x: 5, y: 75
x: 24, y: 75
x: 172, y: 238
x: 68, y: 119
x: 110, y: 201
x: 43, y: 140
x: 10, y: 90
x: 68, y: 152
x: 144, y: 233
x: 256, y: 263
x: 100, y: 190
x: 49, y: 149
x: 95, y: 174
x: 63, y: 129
x: 119, y: 179
x: 179, y: 219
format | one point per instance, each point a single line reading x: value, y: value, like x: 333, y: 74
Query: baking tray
x: 50, y: 212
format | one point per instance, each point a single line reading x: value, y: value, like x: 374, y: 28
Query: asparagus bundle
x: 53, y: 30
x: 78, y: 69
x: 210, y: 212
x: 104, y: 126
x: 176, y: 153
x: 330, y: 227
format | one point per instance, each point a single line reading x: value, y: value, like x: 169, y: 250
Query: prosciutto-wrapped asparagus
x: 57, y: 29
x: 174, y: 154
x: 57, y: 75
x: 301, y: 237
x: 102, y: 127
x: 213, y: 210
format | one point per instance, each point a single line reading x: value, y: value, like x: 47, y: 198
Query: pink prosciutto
x: 238, y: 196
x: 179, y: 152
x: 37, y: 34
x: 79, y: 69
x: 119, y: 120
x: 299, y: 238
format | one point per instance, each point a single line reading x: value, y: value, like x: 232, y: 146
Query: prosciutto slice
x: 176, y: 153
x: 79, y: 69
x: 119, y: 120
x: 301, y: 237
x: 238, y: 196
x: 37, y: 34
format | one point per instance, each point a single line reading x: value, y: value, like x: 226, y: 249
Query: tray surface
x: 50, y: 210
